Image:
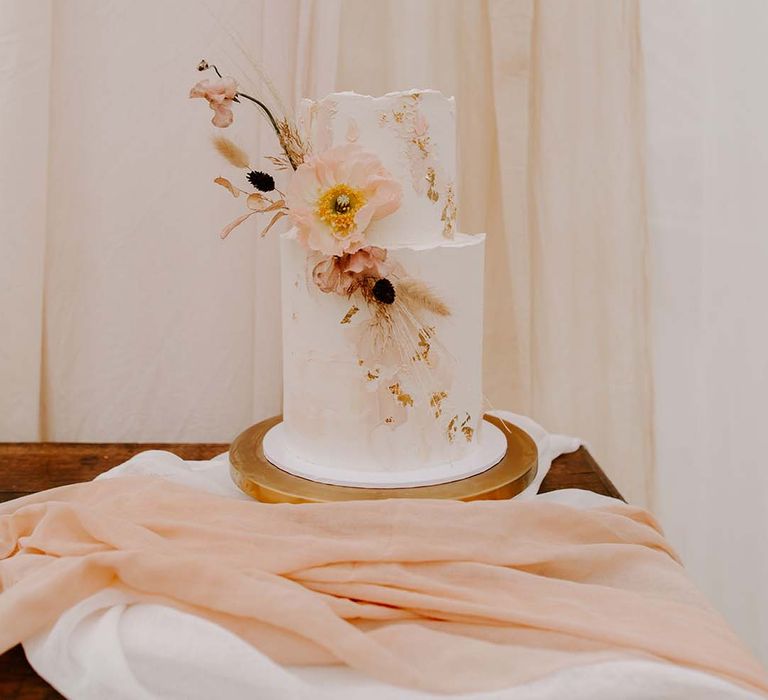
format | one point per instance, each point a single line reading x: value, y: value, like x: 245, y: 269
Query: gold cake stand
x: 262, y: 480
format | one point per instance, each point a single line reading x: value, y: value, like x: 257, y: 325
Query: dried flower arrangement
x: 332, y: 197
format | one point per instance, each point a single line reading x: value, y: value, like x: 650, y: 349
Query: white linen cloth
x: 111, y: 646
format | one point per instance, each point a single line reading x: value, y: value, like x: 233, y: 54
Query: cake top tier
x: 413, y: 133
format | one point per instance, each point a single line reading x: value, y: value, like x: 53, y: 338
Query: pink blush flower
x: 334, y: 196
x: 343, y: 274
x: 219, y: 94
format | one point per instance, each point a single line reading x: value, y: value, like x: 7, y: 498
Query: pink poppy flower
x: 342, y: 274
x: 219, y: 94
x: 334, y: 196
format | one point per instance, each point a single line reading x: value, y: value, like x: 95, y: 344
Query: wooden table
x: 30, y: 467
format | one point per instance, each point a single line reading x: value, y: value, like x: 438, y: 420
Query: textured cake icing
x: 414, y: 135
x: 388, y: 378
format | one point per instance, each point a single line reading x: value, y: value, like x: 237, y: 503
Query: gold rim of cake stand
x: 255, y: 475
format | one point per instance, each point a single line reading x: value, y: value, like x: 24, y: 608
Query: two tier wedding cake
x: 382, y: 298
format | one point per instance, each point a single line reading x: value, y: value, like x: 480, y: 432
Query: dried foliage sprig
x: 257, y: 203
x: 281, y: 162
x: 294, y: 146
x: 231, y: 152
x: 417, y: 294
x: 288, y: 135
x: 220, y: 95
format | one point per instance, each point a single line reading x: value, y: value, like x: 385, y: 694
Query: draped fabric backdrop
x: 133, y: 321
x: 707, y: 171
x: 124, y: 317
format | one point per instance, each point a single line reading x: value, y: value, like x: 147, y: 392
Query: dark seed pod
x: 383, y: 291
x: 263, y: 182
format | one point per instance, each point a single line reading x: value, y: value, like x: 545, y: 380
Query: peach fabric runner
x: 440, y: 596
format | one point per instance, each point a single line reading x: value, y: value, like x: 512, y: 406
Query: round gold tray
x: 262, y: 480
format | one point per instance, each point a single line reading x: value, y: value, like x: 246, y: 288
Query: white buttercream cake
x: 382, y: 379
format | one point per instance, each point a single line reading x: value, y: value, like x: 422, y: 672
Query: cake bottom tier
x: 385, y: 389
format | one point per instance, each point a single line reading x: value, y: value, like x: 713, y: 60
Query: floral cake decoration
x: 333, y: 195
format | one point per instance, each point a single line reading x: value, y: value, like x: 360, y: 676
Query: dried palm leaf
x: 279, y: 215
x: 226, y: 184
x: 234, y: 224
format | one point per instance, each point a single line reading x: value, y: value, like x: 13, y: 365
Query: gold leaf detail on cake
x: 432, y: 193
x: 423, y: 145
x: 452, y: 428
x: 348, y: 316
x: 372, y: 375
x: 467, y: 429
x: 389, y: 419
x: 423, y: 344
x: 400, y: 395
x: 448, y: 217
x: 410, y: 125
x: 436, y: 400
x: 361, y: 362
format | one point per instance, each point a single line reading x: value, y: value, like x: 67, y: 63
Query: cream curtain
x: 707, y: 166
x: 124, y: 316
x: 25, y: 62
